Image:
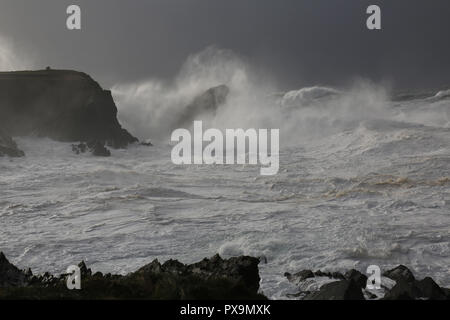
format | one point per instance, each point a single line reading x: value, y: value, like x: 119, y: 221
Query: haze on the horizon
x: 299, y: 42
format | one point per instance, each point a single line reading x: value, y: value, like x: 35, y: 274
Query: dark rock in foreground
x: 352, y: 286
x: 215, y: 278
x: 423, y: 289
x: 400, y: 273
x: 8, y: 147
x: 339, y: 290
x: 359, y: 278
x: 60, y: 104
x: 10, y: 275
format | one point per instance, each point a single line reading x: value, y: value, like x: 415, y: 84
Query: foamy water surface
x: 375, y: 190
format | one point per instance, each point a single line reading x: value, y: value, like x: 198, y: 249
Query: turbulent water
x: 365, y: 188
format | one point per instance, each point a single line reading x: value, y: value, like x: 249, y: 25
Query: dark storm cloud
x: 299, y: 42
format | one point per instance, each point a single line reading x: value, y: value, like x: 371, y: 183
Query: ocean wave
x: 444, y: 94
x: 307, y: 96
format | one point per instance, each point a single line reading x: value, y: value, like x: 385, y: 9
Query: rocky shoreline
x: 398, y: 283
x: 214, y: 278
x: 235, y: 278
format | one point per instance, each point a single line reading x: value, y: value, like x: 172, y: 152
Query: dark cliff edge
x: 63, y: 105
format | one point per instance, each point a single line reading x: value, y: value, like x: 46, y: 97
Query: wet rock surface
x: 400, y: 273
x: 338, y: 290
x: 398, y: 283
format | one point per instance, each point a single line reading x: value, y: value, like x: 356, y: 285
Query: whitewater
x: 364, y: 179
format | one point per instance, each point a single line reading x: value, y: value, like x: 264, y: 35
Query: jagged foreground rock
x: 215, y: 278
x: 398, y: 284
x: 60, y: 104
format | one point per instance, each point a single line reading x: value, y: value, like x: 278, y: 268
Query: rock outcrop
x: 353, y: 286
x: 206, y: 103
x: 8, y: 147
x: 338, y: 290
x: 400, y: 273
x: 408, y: 288
x: 10, y: 275
x: 215, y: 278
x: 60, y: 104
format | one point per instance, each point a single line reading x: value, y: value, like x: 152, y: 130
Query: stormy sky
x: 299, y: 42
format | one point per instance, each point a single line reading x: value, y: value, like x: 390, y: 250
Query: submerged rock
x: 60, y: 104
x: 97, y: 148
x: 8, y: 147
x: 215, y: 278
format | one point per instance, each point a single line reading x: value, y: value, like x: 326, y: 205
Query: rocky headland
x: 63, y: 105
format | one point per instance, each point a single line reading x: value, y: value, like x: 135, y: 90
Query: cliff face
x: 62, y: 105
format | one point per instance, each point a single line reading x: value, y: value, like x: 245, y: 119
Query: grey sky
x: 300, y: 42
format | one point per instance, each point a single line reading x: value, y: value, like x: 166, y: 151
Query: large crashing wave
x: 153, y: 108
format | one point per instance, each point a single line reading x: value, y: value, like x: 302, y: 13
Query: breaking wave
x: 154, y: 108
